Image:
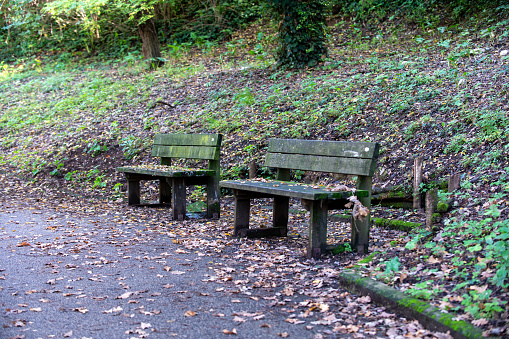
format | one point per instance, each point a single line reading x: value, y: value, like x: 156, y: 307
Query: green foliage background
x: 107, y: 28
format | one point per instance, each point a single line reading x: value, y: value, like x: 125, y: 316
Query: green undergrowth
x: 481, y: 258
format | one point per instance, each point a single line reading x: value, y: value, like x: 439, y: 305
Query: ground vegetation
x: 437, y: 89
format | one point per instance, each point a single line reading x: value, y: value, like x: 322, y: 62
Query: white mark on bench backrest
x: 366, y: 149
x: 352, y: 153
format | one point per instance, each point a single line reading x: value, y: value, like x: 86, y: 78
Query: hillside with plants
x: 431, y: 82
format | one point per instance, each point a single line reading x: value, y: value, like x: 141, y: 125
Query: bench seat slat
x: 186, y: 152
x: 315, y: 163
x: 213, y: 140
x: 288, y: 189
x: 364, y: 150
x: 169, y: 173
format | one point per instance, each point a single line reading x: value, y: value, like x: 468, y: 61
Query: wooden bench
x: 173, y: 180
x: 351, y: 158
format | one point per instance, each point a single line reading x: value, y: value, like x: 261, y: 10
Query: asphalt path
x: 70, y: 275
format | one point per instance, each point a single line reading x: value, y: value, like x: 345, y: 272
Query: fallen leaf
x: 432, y: 260
x: 283, y: 335
x: 364, y: 300
x: 35, y: 309
x: 20, y: 323
x: 114, y: 310
x: 294, y: 321
x: 145, y: 325
x: 239, y: 319
x: 124, y: 295
x: 190, y: 313
x: 234, y: 331
x: 67, y: 334
x: 81, y: 310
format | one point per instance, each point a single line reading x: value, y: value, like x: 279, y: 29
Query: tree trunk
x: 150, y: 43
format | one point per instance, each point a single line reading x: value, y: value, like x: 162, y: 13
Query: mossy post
x: 431, y: 206
x: 253, y: 169
x: 454, y: 182
x: 417, y: 182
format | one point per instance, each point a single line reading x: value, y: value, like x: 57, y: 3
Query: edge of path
x: 429, y: 316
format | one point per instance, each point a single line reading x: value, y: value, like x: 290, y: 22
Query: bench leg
x: 133, y: 192
x: 280, y: 214
x: 213, y: 198
x: 178, y: 202
x: 360, y: 228
x: 360, y: 235
x: 242, y: 209
x: 164, y: 191
x: 317, y: 229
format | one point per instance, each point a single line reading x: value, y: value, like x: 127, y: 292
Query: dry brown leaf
x: 432, y: 260
x: 479, y: 289
x: 294, y: 321
x: 364, y: 300
x: 124, y: 295
x: 239, y: 319
x: 114, y: 310
x: 283, y: 335
x: 190, y: 313
x: 234, y: 331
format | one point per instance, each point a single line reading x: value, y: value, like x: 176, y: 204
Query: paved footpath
x: 70, y: 275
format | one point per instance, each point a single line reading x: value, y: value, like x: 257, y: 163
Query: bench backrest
x: 187, y: 146
x: 342, y: 157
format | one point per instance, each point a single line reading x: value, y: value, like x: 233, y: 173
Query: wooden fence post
x: 417, y: 182
x: 252, y: 169
x: 431, y: 206
x: 454, y: 182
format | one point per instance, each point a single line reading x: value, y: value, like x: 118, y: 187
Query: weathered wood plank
x: 186, y: 152
x: 155, y: 173
x: 288, y: 189
x: 188, y: 139
x: 347, y: 149
x: 315, y: 163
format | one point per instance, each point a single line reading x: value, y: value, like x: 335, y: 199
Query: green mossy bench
x: 350, y: 158
x: 173, y: 180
